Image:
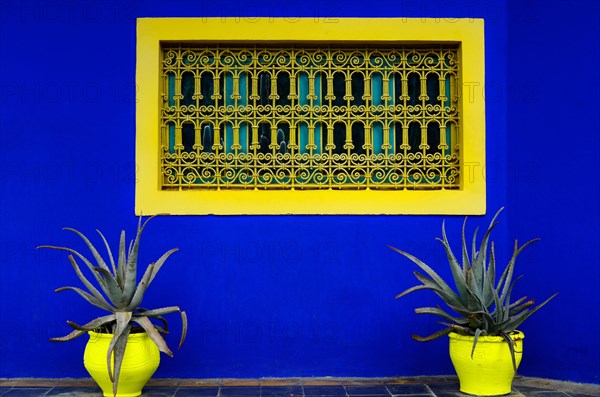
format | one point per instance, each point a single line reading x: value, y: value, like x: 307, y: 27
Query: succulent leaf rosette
x: 118, y: 291
x: 482, y: 304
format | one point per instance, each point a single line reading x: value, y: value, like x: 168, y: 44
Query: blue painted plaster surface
x: 292, y: 295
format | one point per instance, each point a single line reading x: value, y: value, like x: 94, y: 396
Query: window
x: 309, y: 118
x: 264, y: 116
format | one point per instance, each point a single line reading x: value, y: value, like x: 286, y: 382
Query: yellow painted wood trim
x: 469, y: 33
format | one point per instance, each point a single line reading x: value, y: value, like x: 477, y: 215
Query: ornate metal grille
x: 310, y: 118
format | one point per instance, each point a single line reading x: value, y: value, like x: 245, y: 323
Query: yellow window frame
x: 469, y: 198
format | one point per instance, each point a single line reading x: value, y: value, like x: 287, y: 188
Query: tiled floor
x: 306, y: 387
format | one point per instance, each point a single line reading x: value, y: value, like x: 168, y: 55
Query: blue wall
x: 292, y: 295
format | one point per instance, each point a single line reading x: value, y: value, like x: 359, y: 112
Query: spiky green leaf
x: 516, y: 309
x: 457, y: 270
x: 450, y: 299
x: 122, y: 328
x: 411, y: 289
x: 88, y: 297
x: 136, y: 300
x: 94, y: 324
x: 431, y: 273
x: 511, y: 347
x: 99, y: 297
x: 466, y: 261
x: 80, y: 330
x: 511, y: 266
x: 92, y: 248
x: 160, y: 262
x: 433, y: 336
x: 89, y: 264
x: 147, y: 325
x: 184, y: 327
x: 122, y: 261
x: 517, y: 320
x: 115, y: 294
x: 489, y: 292
x: 131, y: 268
x: 475, y: 339
x: 110, y: 255
x: 437, y: 311
x: 119, y: 355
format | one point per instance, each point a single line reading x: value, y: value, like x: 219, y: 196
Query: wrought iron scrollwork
x: 310, y: 118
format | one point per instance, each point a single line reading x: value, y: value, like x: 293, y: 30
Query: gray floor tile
x: 455, y: 393
x: 75, y: 392
x: 440, y: 387
x: 239, y: 391
x: 200, y: 391
x: 239, y: 395
x: 27, y: 392
x: 584, y: 395
x: 407, y: 389
x: 530, y: 389
x: 366, y: 390
x: 281, y: 391
x: 158, y: 392
x: 197, y: 391
x: 325, y: 395
x: 444, y: 387
x: 324, y: 391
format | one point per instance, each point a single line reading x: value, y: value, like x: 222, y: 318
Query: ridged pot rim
x: 103, y: 335
x: 515, y: 335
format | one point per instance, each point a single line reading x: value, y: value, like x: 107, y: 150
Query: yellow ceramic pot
x: 490, y: 372
x: 139, y: 363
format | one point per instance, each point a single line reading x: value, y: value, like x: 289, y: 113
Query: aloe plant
x: 481, y: 305
x: 121, y: 294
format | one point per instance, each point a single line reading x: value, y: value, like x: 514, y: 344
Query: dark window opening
x: 339, y: 89
x: 433, y: 89
x: 358, y: 138
x: 433, y: 138
x: 358, y: 89
x: 414, y: 89
x: 187, y: 89
x: 188, y: 137
x: 283, y: 88
x: 414, y: 137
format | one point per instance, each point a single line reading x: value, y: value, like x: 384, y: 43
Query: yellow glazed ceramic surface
x: 139, y: 364
x: 490, y: 372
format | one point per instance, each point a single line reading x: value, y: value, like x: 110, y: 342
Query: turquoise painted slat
x: 243, y: 101
x: 392, y: 102
x: 318, y: 138
x: 244, y: 137
x: 228, y: 138
x: 228, y: 91
x: 376, y: 88
x: 303, y: 91
x: 243, y: 90
x: 377, y: 138
x: 318, y: 101
x: 303, y: 137
x: 171, y: 138
x: 446, y: 109
x: 171, y: 93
